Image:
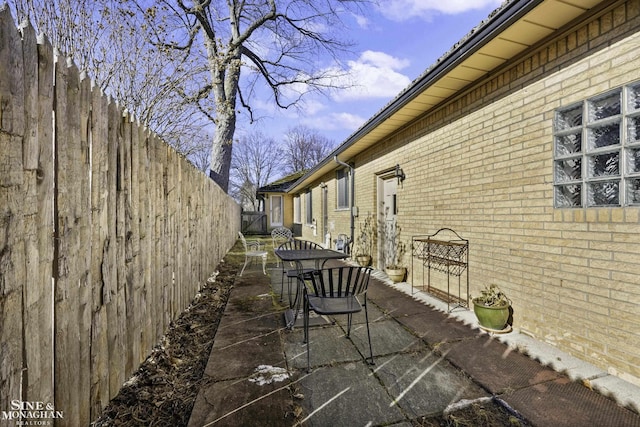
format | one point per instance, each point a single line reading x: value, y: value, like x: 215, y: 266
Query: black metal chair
x: 292, y: 272
x: 336, y: 291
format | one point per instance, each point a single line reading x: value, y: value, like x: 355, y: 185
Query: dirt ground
x: 164, y: 388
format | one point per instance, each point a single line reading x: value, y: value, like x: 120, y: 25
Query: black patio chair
x: 292, y: 271
x: 336, y: 291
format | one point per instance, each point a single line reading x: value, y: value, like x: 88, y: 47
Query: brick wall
x: 483, y: 165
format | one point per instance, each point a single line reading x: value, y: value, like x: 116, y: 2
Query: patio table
x: 320, y: 257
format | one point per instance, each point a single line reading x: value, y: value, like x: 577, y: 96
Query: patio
x: 430, y: 368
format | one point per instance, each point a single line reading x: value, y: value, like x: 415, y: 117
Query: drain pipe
x: 352, y: 172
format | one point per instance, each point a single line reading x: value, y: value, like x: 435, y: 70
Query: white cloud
x: 373, y: 75
x: 312, y: 105
x: 362, y: 21
x: 347, y: 121
x: 330, y: 122
x: 401, y: 10
x: 383, y: 60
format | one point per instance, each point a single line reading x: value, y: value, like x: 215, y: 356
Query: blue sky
x: 395, y: 43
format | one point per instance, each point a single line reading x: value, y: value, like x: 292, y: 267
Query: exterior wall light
x: 399, y: 173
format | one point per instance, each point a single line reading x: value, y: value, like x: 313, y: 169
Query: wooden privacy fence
x: 106, y: 234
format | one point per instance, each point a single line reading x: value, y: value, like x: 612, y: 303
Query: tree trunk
x: 225, y: 75
x: 221, y: 151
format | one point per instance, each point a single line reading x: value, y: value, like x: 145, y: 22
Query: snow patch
x: 267, y: 374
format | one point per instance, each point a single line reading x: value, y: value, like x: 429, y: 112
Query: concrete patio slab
x: 235, y: 327
x: 387, y: 337
x: 346, y: 395
x: 562, y: 402
x: 241, y: 403
x: 435, y: 328
x: 428, y: 364
x: 324, y: 350
x: 261, y: 349
x: 496, y: 366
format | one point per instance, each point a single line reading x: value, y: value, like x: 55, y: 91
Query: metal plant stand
x: 447, y: 255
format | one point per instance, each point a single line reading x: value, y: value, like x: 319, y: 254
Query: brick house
x: 525, y: 140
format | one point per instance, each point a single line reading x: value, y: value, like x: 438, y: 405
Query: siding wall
x: 483, y: 166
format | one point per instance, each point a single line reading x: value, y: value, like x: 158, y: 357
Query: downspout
x: 352, y: 172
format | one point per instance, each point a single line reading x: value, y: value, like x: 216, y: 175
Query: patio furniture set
x: 311, y: 287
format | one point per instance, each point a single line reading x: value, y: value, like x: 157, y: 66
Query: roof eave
x: 502, y: 18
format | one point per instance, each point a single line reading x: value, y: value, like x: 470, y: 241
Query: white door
x: 387, y: 210
x: 390, y: 199
x: 276, y: 211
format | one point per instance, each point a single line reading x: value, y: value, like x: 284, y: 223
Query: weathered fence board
x: 100, y: 296
x: 106, y: 233
x: 83, y: 261
x: 145, y: 215
x: 12, y: 257
x: 40, y: 372
x: 34, y: 334
x: 67, y: 233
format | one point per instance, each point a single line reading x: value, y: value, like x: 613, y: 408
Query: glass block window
x: 597, y: 151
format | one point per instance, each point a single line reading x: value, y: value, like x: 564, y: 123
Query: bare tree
x: 305, y: 148
x: 104, y: 40
x: 75, y: 27
x: 257, y: 160
x: 149, y: 82
x: 277, y: 43
x: 199, y: 152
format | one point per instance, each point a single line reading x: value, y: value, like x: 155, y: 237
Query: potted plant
x: 394, y: 250
x: 365, y: 240
x: 492, y: 308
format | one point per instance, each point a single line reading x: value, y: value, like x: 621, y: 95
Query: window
x: 597, y: 151
x: 309, y: 208
x: 297, y: 210
x: 342, y: 190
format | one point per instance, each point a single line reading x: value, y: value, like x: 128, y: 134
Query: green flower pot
x: 494, y: 318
